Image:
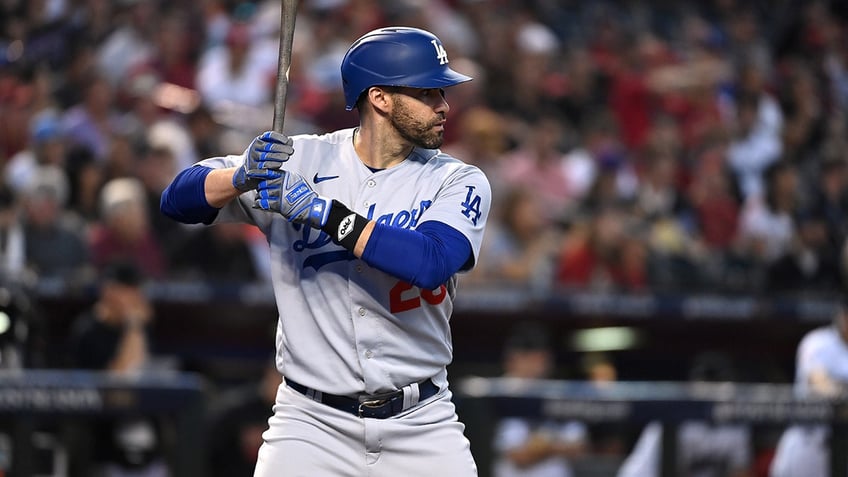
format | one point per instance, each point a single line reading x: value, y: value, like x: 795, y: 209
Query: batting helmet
x: 396, y: 56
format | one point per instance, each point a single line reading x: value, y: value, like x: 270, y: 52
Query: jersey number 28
x: 405, y: 297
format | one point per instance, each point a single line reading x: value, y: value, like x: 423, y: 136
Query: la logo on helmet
x: 441, y: 53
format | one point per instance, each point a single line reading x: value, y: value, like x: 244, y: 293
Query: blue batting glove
x: 262, y: 160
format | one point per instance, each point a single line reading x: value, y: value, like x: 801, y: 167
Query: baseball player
x: 821, y: 370
x: 368, y: 228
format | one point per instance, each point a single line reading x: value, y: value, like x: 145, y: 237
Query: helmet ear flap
x: 396, y: 56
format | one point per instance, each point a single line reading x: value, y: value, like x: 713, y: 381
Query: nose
x: 442, y: 105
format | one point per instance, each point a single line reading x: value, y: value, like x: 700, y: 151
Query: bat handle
x: 287, y: 21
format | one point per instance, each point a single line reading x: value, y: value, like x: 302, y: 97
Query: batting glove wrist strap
x: 292, y: 197
x: 344, y: 226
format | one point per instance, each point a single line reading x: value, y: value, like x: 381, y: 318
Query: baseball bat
x: 287, y: 17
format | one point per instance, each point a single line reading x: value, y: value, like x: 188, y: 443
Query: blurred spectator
x: 234, y: 261
x: 534, y: 73
x: 540, y: 164
x: 175, y: 47
x: 603, y: 253
x: 660, y: 194
x: 607, y: 438
x: 113, y: 336
x: 85, y: 176
x: 237, y: 71
x: 482, y: 140
x: 766, y: 230
x: 630, y: 96
x: 767, y: 224
x: 805, y: 112
x: 204, y: 131
x: 25, y: 93
x: 121, y: 157
x: 130, y: 42
x: 155, y: 168
x: 821, y: 372
x: 216, y: 21
x: 598, y: 368
x: 71, y: 85
x: 810, y: 265
x: 600, y: 171
x: 237, y: 419
x: 46, y: 147
x: 754, y: 87
x: 124, y: 231
x: 747, y: 39
x: 56, y: 245
x: 584, y: 87
x: 830, y: 197
x: 521, y: 244
x: 12, y: 239
x: 704, y: 449
x: 324, y: 41
x: 169, y: 133
x: 92, y: 122
x: 526, y: 447
x: 716, y: 202
x: 755, y: 144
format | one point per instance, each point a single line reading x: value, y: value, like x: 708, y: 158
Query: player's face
x: 418, y: 115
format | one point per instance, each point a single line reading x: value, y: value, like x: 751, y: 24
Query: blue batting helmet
x: 396, y: 56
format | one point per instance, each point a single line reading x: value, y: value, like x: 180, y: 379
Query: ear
x: 380, y: 99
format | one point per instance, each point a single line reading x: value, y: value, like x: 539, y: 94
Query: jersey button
x: 367, y: 203
x: 359, y: 268
x: 369, y: 354
x: 371, y: 183
x: 361, y: 311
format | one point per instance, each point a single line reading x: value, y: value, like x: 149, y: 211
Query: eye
x: 432, y: 93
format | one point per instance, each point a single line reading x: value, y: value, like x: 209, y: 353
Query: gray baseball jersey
x: 803, y: 449
x: 345, y: 327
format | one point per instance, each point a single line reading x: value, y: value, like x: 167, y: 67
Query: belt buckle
x: 370, y: 403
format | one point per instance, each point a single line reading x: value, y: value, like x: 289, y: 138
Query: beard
x: 415, y: 130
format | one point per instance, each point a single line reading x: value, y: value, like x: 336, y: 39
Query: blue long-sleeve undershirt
x: 184, y: 200
x: 425, y: 257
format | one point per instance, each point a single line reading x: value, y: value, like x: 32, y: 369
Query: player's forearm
x: 822, y: 384
x: 219, y: 188
x: 132, y: 350
x: 359, y: 248
x: 535, y: 450
x: 570, y: 449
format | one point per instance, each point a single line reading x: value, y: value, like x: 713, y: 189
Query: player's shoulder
x: 821, y: 337
x: 440, y: 160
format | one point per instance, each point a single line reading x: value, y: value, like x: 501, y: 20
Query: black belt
x: 379, y: 406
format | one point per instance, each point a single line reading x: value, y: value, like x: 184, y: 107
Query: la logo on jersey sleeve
x: 471, y: 205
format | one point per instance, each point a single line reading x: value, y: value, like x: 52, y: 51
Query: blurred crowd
x: 636, y: 146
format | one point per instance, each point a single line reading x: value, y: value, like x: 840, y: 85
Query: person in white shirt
x: 535, y: 448
x: 821, y: 371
